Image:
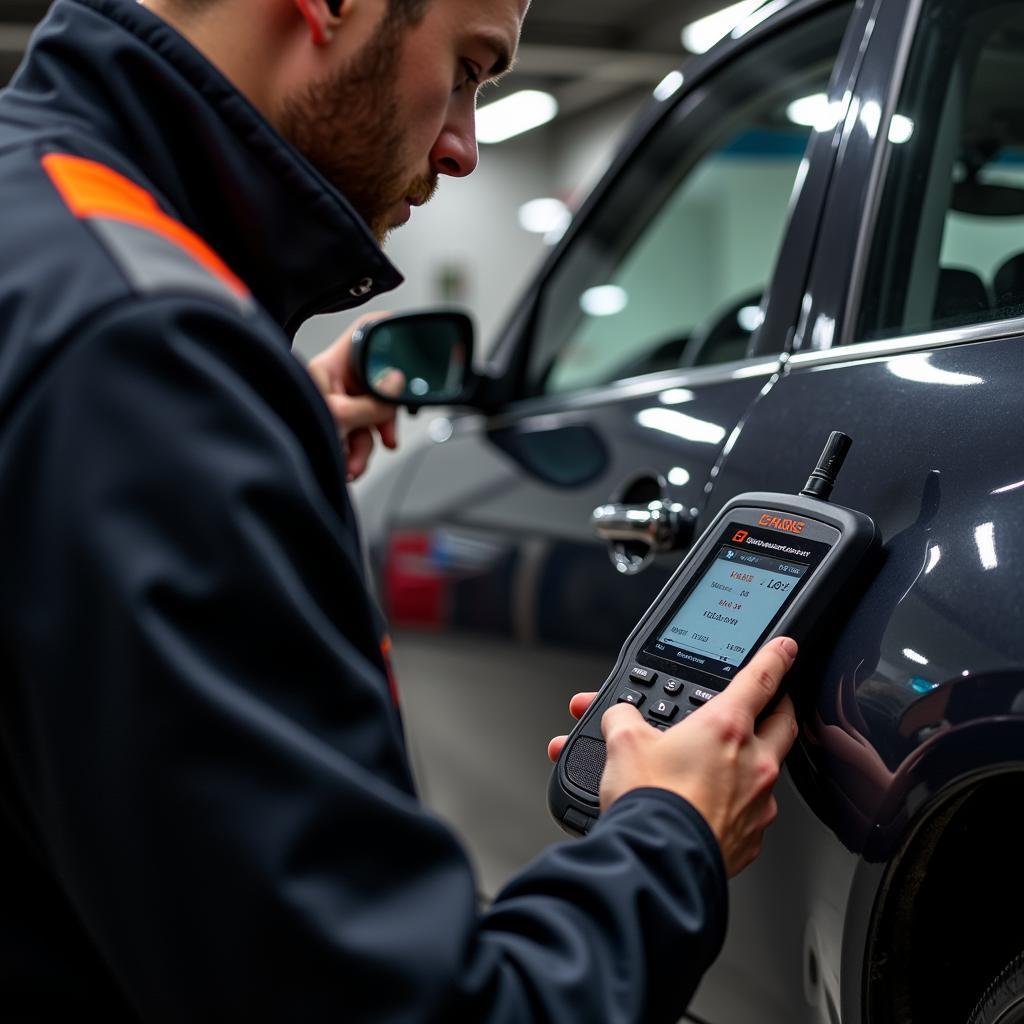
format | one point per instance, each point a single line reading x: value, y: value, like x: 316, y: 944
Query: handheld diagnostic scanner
x: 768, y: 565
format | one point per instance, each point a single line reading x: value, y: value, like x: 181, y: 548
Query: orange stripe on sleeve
x: 92, y: 190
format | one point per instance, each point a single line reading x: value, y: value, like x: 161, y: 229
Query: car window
x: 670, y: 269
x: 948, y: 249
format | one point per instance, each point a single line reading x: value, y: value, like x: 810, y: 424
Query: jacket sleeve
x: 208, y: 747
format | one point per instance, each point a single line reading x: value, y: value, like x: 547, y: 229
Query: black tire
x: 1003, y: 1001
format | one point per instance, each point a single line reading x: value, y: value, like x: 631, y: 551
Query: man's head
x: 380, y: 95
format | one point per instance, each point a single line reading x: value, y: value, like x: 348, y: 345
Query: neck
x: 266, y: 50
x: 251, y: 45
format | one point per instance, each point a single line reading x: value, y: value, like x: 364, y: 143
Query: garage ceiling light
x: 901, y: 129
x: 515, y: 114
x: 1009, y: 487
x: 750, y: 318
x: 815, y: 112
x: 985, y: 536
x: 918, y: 367
x: 677, y: 396
x: 688, y: 427
x: 548, y: 217
x: 700, y: 36
x: 604, y: 300
x: 669, y: 86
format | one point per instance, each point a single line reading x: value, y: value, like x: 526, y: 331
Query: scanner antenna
x: 820, y: 483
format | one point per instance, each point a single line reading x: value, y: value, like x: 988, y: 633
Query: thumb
x: 619, y: 719
x: 753, y: 688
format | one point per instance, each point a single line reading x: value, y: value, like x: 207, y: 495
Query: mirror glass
x: 419, y: 359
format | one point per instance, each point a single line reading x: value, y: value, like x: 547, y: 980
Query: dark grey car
x: 817, y: 226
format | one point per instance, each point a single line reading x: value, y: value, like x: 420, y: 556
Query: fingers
x: 779, y: 730
x: 579, y: 704
x: 321, y: 376
x: 332, y: 369
x: 360, y: 447
x: 555, y: 747
x: 389, y: 434
x: 355, y: 413
x: 577, y: 708
x: 350, y: 412
x: 390, y: 382
x: 340, y: 354
x: 755, y: 686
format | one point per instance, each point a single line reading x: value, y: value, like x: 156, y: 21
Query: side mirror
x: 417, y: 359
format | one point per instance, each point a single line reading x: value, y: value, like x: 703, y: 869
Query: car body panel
x: 911, y: 690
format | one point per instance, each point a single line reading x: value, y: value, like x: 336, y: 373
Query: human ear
x: 321, y: 16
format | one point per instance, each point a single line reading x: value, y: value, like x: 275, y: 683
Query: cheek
x: 425, y: 115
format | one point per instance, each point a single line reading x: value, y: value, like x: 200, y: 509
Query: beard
x: 349, y: 128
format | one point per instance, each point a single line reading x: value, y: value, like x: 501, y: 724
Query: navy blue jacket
x: 206, y: 810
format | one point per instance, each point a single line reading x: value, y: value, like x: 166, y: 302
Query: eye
x: 471, y: 75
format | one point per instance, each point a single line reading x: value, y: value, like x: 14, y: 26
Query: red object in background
x: 415, y: 589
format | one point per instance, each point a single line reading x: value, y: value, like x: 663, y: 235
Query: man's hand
x: 716, y: 758
x: 577, y: 708
x: 356, y: 414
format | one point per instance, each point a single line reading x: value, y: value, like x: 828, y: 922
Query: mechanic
x: 207, y: 811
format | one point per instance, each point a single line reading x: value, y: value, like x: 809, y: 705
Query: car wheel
x: 1003, y: 1001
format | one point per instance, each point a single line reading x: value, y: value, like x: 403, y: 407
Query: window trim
x: 642, y: 386
x: 823, y: 318
x: 877, y: 178
x: 858, y: 351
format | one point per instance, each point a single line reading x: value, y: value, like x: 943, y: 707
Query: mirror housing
x: 432, y: 352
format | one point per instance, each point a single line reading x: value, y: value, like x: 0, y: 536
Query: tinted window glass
x: 670, y: 269
x: 949, y: 244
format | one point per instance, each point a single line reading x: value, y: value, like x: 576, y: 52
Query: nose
x: 455, y: 152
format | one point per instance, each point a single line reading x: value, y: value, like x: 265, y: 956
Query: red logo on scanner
x: 778, y: 523
x: 740, y: 536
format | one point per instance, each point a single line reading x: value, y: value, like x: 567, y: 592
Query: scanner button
x: 701, y: 697
x: 672, y: 685
x: 633, y: 697
x: 577, y: 821
x: 664, y: 709
x: 644, y: 676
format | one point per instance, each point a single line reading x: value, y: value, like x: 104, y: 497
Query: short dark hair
x: 407, y: 10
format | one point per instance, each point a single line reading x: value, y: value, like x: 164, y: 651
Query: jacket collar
x: 150, y: 99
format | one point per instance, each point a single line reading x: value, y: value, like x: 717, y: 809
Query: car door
x: 647, y: 337
x: 911, y: 341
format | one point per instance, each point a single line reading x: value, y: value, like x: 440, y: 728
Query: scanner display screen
x: 745, y: 583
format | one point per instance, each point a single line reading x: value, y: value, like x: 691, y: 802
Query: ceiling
x: 586, y: 52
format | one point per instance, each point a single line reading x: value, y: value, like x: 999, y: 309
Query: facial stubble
x: 350, y: 128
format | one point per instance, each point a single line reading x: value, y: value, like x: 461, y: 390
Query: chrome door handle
x: 638, y: 532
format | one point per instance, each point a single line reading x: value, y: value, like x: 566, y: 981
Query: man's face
x: 401, y: 111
